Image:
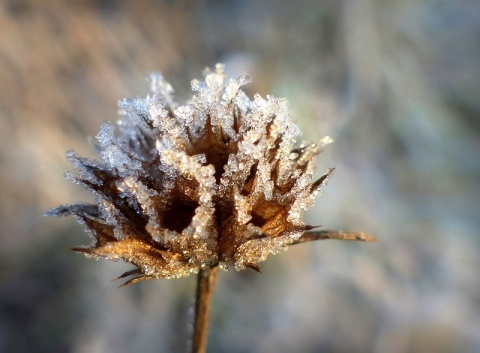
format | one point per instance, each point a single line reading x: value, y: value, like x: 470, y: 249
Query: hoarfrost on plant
x: 216, y: 181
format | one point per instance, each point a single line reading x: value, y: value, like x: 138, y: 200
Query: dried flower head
x: 217, y: 181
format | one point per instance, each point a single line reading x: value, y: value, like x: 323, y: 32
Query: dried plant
x: 216, y: 183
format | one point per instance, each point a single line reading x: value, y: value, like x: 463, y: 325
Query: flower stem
x: 205, y: 286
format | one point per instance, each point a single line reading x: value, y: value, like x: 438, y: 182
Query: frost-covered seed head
x: 217, y: 181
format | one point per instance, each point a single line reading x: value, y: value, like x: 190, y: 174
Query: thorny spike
x: 136, y: 280
x: 253, y: 266
x: 334, y: 234
x: 128, y: 273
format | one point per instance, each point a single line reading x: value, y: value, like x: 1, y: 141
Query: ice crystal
x: 215, y: 182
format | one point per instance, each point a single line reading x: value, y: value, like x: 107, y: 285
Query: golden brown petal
x: 151, y: 261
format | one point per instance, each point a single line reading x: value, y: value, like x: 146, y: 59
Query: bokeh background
x: 395, y: 83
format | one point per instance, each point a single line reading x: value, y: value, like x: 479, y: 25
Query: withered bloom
x: 215, y: 182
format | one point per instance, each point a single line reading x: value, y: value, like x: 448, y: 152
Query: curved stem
x: 205, y: 286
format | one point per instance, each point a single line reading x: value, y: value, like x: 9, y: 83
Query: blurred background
x: 395, y: 83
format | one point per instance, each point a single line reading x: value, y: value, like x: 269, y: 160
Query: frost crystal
x: 215, y: 182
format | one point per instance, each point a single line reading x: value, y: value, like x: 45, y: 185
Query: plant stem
x: 205, y: 286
